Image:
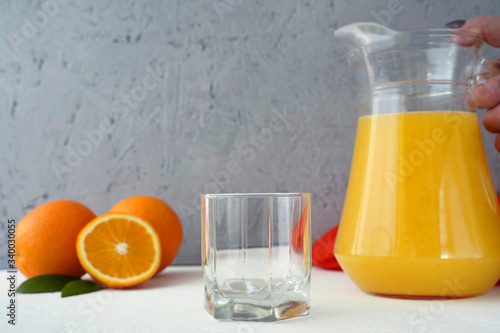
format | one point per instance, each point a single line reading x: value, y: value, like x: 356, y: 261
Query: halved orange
x: 119, y: 250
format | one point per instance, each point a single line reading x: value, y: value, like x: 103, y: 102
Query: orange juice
x: 421, y: 218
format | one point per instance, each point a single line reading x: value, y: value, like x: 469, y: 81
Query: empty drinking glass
x: 256, y: 255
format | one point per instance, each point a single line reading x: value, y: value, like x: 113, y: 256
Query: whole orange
x: 163, y: 219
x: 46, y: 239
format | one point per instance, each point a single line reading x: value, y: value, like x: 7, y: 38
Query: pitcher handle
x: 486, y: 70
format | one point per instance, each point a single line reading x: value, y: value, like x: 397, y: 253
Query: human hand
x: 487, y: 96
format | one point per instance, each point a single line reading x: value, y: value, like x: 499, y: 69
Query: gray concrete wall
x: 174, y: 94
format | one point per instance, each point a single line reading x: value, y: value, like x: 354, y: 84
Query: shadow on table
x: 169, y: 278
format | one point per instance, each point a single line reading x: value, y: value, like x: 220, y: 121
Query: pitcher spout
x: 356, y: 37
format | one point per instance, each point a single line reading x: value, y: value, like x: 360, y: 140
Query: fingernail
x: 455, y: 24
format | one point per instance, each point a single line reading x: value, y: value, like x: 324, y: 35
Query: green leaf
x: 45, y: 283
x: 79, y: 287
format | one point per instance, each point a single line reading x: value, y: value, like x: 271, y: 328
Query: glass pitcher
x: 421, y: 218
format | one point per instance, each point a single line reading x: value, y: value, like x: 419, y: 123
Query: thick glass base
x: 255, y: 307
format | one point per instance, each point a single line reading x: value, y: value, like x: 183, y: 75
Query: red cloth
x: 298, y: 231
x: 322, y: 251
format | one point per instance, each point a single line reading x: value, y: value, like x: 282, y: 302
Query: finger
x: 491, y: 119
x: 487, y: 95
x: 487, y: 26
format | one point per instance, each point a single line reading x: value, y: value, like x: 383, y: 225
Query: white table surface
x: 172, y: 302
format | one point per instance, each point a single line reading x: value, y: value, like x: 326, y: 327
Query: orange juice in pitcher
x: 421, y: 217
